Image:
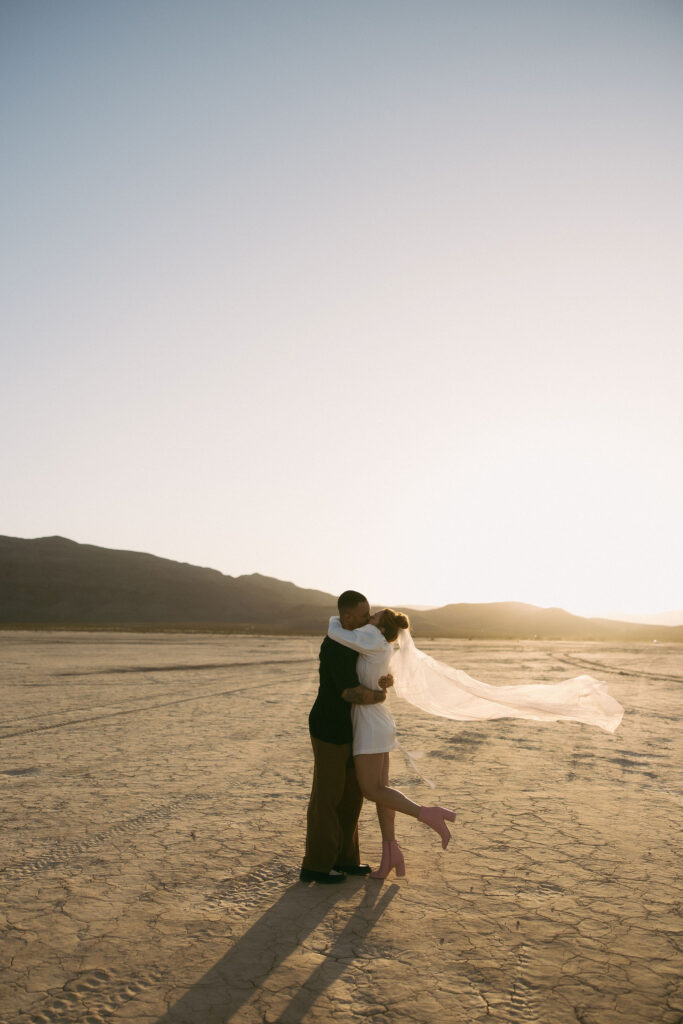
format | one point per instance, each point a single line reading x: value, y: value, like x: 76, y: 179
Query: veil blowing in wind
x: 449, y: 692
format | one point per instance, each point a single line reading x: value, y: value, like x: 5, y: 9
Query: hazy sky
x: 380, y: 294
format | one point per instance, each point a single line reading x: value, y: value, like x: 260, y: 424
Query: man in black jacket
x: 332, y: 822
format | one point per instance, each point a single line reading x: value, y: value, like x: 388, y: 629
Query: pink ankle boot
x: 436, y: 818
x: 391, y: 858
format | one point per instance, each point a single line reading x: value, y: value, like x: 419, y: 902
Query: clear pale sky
x: 382, y: 294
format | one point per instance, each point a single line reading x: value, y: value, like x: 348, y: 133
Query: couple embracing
x: 352, y: 733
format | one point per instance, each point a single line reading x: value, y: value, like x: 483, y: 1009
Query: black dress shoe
x: 322, y: 877
x: 353, y: 869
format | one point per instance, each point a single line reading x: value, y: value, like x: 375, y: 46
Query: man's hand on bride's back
x: 386, y: 681
x: 363, y: 695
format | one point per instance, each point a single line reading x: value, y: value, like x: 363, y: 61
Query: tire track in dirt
x: 601, y: 666
x: 182, y: 668
x: 91, y: 707
x: 133, y: 711
x: 60, y: 855
x: 149, y: 679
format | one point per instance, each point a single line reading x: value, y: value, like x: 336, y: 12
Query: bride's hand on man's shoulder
x: 386, y: 681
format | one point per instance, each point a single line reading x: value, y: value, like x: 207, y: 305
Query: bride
x: 448, y: 692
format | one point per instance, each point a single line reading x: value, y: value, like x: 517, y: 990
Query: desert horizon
x: 55, y: 582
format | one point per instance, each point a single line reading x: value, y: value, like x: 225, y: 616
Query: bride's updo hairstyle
x: 391, y: 622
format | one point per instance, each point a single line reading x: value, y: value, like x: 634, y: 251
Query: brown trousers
x: 334, y: 808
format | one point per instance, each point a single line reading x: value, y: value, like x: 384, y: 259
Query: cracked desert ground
x: 154, y: 798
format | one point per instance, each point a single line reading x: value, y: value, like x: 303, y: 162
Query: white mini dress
x: 374, y: 731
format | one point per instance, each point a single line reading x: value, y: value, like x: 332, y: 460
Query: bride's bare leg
x: 370, y: 773
x: 386, y: 815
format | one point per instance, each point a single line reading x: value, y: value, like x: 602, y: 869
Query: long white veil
x: 451, y: 693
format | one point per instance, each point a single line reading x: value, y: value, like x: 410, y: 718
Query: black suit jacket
x: 330, y: 716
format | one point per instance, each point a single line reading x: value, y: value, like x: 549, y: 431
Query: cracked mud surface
x: 154, y: 792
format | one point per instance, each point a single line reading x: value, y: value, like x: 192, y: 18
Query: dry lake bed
x: 154, y: 791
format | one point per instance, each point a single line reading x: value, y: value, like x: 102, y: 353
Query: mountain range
x: 56, y: 582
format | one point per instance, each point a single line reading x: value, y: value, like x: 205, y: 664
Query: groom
x: 332, y: 821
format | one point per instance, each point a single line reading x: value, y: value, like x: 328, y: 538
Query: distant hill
x: 53, y: 581
x: 663, y: 619
x: 511, y: 619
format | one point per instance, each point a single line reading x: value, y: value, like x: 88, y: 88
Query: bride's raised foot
x: 436, y: 818
x: 391, y: 858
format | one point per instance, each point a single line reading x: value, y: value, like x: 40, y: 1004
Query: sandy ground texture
x: 154, y: 791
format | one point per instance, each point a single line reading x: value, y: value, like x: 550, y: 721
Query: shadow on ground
x: 217, y: 996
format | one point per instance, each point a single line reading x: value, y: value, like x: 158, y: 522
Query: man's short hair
x: 349, y: 599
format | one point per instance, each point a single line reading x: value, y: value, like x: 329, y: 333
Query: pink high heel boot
x: 391, y: 858
x: 436, y: 818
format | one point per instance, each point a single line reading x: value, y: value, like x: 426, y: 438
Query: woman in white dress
x: 440, y: 689
x: 374, y: 735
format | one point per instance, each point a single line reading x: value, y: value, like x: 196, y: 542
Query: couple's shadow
x: 217, y: 996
